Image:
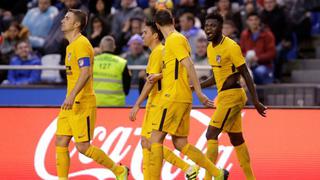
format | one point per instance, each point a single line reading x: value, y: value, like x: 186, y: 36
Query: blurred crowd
x: 269, y: 32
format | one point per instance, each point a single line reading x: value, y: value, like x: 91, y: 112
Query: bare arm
x: 84, y: 76
x: 187, y: 63
x: 145, y: 91
x: 246, y: 75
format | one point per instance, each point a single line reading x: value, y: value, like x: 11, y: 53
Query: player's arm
x: 84, y: 76
x: 153, y: 78
x: 243, y: 70
x: 187, y: 63
x: 144, y: 94
x: 210, y: 81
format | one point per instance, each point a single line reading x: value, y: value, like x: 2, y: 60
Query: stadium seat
x: 51, y: 76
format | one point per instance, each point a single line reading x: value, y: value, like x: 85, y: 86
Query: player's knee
x: 179, y: 143
x: 82, y: 147
x: 212, y: 133
x: 145, y: 143
x: 236, y: 139
x: 62, y: 141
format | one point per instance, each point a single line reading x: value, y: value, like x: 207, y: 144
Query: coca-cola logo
x: 116, y: 143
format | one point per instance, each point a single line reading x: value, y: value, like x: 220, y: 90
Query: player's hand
x: 133, y: 113
x: 260, y: 108
x: 192, y: 87
x: 68, y: 103
x: 153, y: 78
x: 205, y: 100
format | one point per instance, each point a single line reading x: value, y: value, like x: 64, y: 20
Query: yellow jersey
x: 154, y: 67
x: 79, y: 54
x: 224, y: 59
x: 175, y: 81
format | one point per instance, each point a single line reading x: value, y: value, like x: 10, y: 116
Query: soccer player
x: 78, y: 111
x: 152, y: 38
x: 225, y: 57
x: 172, y: 115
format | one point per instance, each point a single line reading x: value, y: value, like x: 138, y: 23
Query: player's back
x: 224, y: 59
x: 154, y: 67
x: 80, y: 53
x: 175, y: 82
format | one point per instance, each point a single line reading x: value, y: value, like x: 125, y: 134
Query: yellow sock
x: 196, y: 156
x: 156, y: 158
x: 145, y: 163
x: 170, y: 157
x: 212, y: 154
x: 101, y: 158
x: 244, y: 160
x: 62, y: 162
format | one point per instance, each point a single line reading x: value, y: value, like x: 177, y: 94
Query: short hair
x: 81, y: 17
x: 189, y: 16
x: 215, y: 16
x: 20, y: 41
x: 154, y: 29
x: 163, y: 17
x: 108, y: 43
x: 253, y: 14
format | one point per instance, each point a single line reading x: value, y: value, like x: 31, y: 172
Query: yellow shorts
x: 78, y: 122
x: 147, y: 121
x: 172, y: 118
x: 227, y: 115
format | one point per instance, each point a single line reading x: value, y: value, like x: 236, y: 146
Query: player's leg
x: 145, y: 144
x: 62, y: 156
x: 242, y: 153
x: 99, y: 156
x: 181, y: 143
x: 63, y: 137
x: 180, y: 130
x: 82, y: 126
x: 212, y: 146
x: 156, y: 156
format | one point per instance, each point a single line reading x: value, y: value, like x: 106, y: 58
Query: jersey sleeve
x: 83, y: 54
x: 155, y: 63
x: 180, y: 47
x: 236, y: 55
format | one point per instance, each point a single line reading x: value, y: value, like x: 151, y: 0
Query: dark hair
x: 253, y: 14
x: 163, y: 18
x: 189, y: 16
x: 215, y: 16
x: 81, y: 17
x: 154, y: 29
x: 22, y: 41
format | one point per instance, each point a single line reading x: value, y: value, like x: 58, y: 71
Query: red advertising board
x: 284, y: 145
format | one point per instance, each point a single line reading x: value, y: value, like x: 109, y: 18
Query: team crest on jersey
x: 218, y: 58
x: 69, y: 56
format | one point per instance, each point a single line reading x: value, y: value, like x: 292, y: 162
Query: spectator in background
x: 274, y: 17
x: 132, y: 27
x: 122, y: 17
x: 224, y: 8
x: 136, y: 56
x: 39, y: 22
x: 258, y: 46
x: 200, y: 58
x: 98, y: 31
x: 151, y: 10
x: 102, y: 10
x: 248, y: 8
x: 8, y: 41
x: 191, y: 32
x: 111, y: 75
x: 24, y: 56
x: 229, y: 30
x: 54, y: 42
